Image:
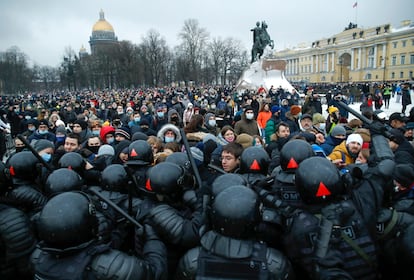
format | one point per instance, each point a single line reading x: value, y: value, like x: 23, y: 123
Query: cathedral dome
x: 102, y: 24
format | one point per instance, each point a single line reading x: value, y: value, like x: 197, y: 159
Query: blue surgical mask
x: 137, y: 119
x: 169, y: 139
x: 27, y: 117
x: 42, y: 132
x: 160, y: 114
x: 96, y: 132
x: 110, y: 140
x: 32, y: 128
x: 60, y: 139
x: 47, y: 157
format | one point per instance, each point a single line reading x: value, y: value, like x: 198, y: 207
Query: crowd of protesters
x: 242, y: 133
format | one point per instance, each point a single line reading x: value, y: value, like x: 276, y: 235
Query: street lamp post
x: 383, y: 73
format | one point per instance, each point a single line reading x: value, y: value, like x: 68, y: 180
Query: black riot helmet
x: 67, y: 220
x: 140, y: 153
x: 165, y: 178
x: 181, y: 159
x: 254, y: 160
x: 235, y: 212
x: 225, y: 181
x: 73, y: 161
x: 318, y: 180
x: 63, y: 180
x: 23, y: 165
x: 115, y: 178
x: 293, y: 153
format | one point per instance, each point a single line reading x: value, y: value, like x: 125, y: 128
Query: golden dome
x: 102, y: 24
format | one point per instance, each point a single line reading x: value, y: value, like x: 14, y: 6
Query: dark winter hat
x: 83, y: 124
x: 139, y: 136
x: 124, y: 131
x: 61, y: 130
x: 43, y: 122
x: 404, y: 174
x: 338, y: 130
x: 275, y: 109
x: 42, y: 144
x: 306, y: 116
x: 397, y: 136
x: 398, y: 116
x: 409, y: 125
x: 144, y: 122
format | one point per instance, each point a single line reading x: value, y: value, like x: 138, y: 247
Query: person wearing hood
x: 247, y: 124
x: 188, y: 113
x: 160, y: 118
x: 211, y: 124
x: 347, y: 152
x: 169, y: 133
x: 175, y: 118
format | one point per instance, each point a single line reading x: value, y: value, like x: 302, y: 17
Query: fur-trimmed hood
x: 167, y: 127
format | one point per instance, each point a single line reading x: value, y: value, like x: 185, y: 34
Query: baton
x: 34, y: 152
x: 191, y: 158
x: 116, y: 207
x: 355, y: 113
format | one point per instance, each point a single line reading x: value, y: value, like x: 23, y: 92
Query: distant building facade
x: 103, y: 35
x: 358, y: 55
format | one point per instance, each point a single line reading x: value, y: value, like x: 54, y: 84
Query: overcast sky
x: 42, y: 29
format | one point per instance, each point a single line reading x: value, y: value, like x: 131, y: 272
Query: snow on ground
x: 394, y: 107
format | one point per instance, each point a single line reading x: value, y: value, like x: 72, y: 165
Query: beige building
x: 377, y: 54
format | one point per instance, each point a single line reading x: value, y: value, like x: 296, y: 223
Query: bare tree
x: 14, y: 71
x: 193, y: 42
x: 155, y: 55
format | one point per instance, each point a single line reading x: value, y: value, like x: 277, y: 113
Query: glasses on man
x: 227, y: 158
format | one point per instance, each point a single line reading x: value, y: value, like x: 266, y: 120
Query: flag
x: 355, y: 5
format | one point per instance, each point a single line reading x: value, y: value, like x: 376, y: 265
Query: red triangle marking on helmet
x: 12, y: 172
x: 133, y: 153
x: 292, y: 164
x: 255, y: 165
x: 148, y: 185
x: 322, y: 190
x: 70, y: 167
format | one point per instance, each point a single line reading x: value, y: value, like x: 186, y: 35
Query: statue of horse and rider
x: 260, y: 40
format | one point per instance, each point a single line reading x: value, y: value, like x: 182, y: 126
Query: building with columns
x: 103, y: 35
x: 377, y: 54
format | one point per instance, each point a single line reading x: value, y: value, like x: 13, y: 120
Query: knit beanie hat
x: 404, y: 174
x: 60, y: 130
x: 275, y: 109
x: 338, y: 130
x: 295, y: 110
x: 124, y: 131
x: 139, y: 136
x: 364, y: 132
x: 245, y: 140
x: 42, y: 144
x: 83, y: 124
x: 106, y: 150
x: 354, y: 138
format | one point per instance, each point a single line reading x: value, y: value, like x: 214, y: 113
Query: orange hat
x: 332, y: 109
x: 295, y: 110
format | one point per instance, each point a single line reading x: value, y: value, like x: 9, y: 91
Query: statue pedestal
x: 264, y: 72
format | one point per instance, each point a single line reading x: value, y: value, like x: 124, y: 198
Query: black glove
x: 377, y: 128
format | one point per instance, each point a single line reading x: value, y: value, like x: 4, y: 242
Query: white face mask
x: 249, y: 116
x: 212, y: 122
x: 322, y: 126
